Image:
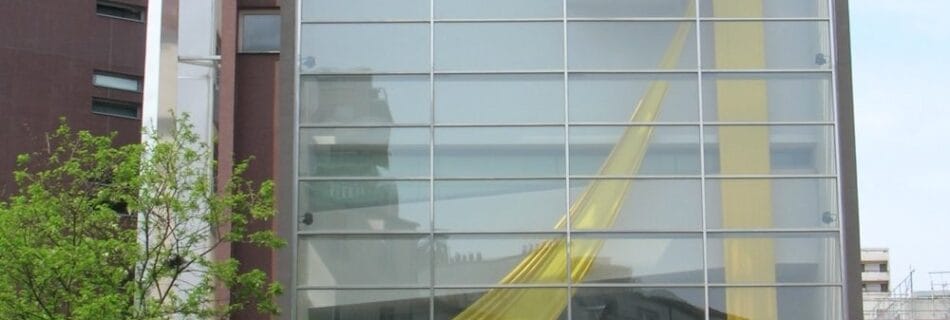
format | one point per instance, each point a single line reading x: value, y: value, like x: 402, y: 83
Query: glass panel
x: 364, y: 205
x: 116, y: 82
x: 364, y: 48
x: 766, y: 45
x: 785, y: 97
x: 115, y: 108
x: 119, y: 10
x: 647, y: 204
x: 497, y: 9
x: 629, y: 8
x: 615, y: 97
x: 260, y: 33
x: 741, y: 258
x: 499, y: 46
x: 769, y: 9
x: 630, y: 45
x: 499, y: 152
x: 500, y: 303
x: 487, y: 259
x: 640, y: 150
x: 499, y: 98
x: 645, y: 258
x: 769, y: 150
x: 784, y: 303
x: 639, y: 303
x: 364, y: 99
x: 364, y: 152
x: 363, y: 260
x: 363, y: 304
x: 364, y: 9
x: 774, y: 203
x: 499, y: 205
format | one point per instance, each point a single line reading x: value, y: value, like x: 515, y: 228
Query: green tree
x: 96, y: 231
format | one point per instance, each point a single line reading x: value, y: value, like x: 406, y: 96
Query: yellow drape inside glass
x: 596, y: 207
x: 744, y: 150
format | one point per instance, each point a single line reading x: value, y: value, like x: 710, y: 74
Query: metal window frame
x: 119, y: 5
x: 119, y: 104
x: 124, y: 76
x: 832, y: 68
x: 241, y: 28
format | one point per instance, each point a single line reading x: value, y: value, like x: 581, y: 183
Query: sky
x: 900, y: 51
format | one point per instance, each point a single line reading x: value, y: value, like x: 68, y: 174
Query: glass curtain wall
x: 566, y: 159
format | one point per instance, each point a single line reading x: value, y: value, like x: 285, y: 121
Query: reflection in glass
x: 487, y: 259
x: 364, y: 99
x: 371, y: 260
x: 629, y: 8
x: 498, y: 205
x: 644, y: 258
x: 497, y: 9
x: 364, y: 48
x: 769, y: 150
x: 364, y: 205
x: 364, y: 9
x: 506, y: 98
x: 647, y: 303
x: 743, y: 258
x: 781, y: 44
x: 260, y: 33
x: 615, y: 97
x: 499, y: 152
x: 770, y: 9
x: 362, y: 152
x: 468, y: 303
x: 782, y: 303
x: 499, y: 46
x: 499, y: 193
x: 670, y: 150
x: 788, y: 96
x: 794, y: 203
x: 628, y: 45
x: 651, y: 204
x: 363, y: 304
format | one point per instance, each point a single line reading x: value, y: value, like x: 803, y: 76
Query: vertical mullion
x: 702, y: 155
x: 432, y: 240
x: 839, y: 189
x: 295, y: 188
x: 567, y: 165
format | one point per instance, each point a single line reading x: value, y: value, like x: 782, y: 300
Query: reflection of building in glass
x: 536, y: 159
x: 351, y: 152
x: 575, y: 159
x: 358, y: 205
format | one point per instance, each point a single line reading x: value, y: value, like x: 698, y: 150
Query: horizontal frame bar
x: 561, y: 124
x: 570, y: 72
x: 561, y: 232
x: 561, y: 20
x: 577, y: 285
x: 581, y: 177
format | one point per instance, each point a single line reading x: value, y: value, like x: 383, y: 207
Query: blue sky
x: 900, y: 50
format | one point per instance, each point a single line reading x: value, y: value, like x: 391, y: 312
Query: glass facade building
x: 566, y: 159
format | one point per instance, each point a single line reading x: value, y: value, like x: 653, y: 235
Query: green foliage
x: 69, y: 249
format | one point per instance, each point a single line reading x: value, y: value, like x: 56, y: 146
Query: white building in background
x: 901, y: 301
x: 875, y: 277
